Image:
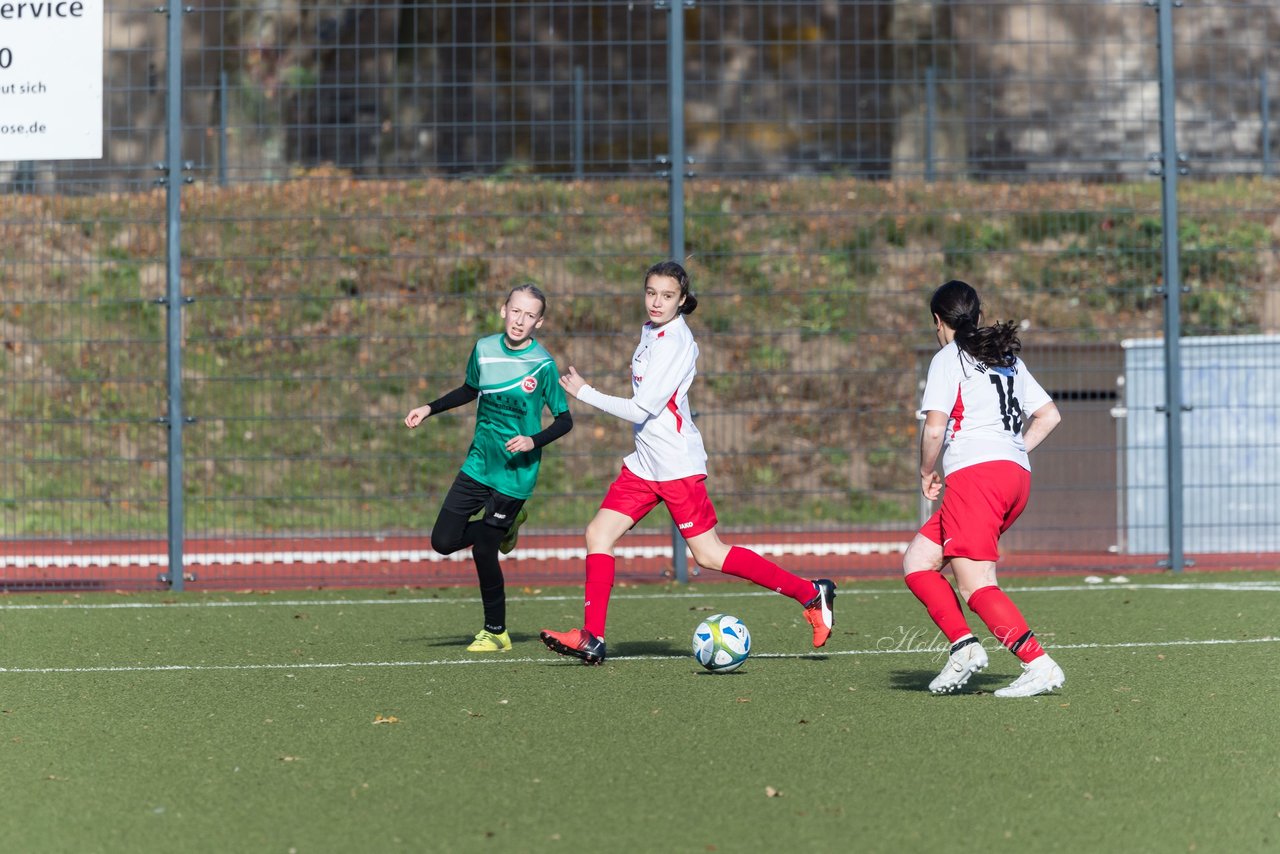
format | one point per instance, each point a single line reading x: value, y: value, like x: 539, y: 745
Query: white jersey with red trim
x: 986, y: 408
x: 668, y: 445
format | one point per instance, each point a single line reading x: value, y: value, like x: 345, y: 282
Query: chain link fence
x: 368, y: 181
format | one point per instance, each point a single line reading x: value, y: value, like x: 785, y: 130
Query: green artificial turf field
x: 341, y: 721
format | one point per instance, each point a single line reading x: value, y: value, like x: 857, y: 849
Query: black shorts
x: 468, y: 496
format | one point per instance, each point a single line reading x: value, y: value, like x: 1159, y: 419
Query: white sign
x: 50, y: 79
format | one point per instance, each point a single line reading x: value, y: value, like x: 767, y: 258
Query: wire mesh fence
x: 368, y: 181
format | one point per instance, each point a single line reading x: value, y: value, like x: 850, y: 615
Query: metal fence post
x: 1171, y: 163
x: 675, y: 110
x: 173, y: 300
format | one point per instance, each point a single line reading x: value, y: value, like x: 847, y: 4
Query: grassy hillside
x: 323, y: 308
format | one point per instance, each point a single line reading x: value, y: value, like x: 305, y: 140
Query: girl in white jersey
x: 669, y: 465
x: 983, y: 413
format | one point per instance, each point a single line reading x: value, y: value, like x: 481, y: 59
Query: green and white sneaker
x: 487, y: 641
x: 508, y: 544
x: 1039, y: 677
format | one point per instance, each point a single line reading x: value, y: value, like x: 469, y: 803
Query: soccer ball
x: 721, y: 643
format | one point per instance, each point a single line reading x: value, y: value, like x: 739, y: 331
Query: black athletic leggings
x: 453, y: 532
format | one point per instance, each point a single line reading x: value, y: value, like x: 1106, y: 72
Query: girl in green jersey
x: 514, y: 378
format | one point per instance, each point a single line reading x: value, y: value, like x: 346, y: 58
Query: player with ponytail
x: 984, y: 413
x: 669, y: 466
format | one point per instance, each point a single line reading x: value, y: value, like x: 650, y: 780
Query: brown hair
x: 957, y: 305
x: 532, y: 290
x: 673, y: 270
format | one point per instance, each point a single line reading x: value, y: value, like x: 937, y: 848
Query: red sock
x: 940, y: 600
x: 744, y: 563
x: 1005, y: 622
x: 595, y: 607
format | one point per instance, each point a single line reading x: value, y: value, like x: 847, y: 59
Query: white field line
x: 337, y: 665
x: 384, y: 556
x: 708, y: 593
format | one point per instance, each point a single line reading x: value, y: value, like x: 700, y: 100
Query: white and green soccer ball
x: 721, y: 643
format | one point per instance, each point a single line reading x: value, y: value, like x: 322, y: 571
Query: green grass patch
x: 344, y: 721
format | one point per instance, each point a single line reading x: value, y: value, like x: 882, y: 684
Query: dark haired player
x: 668, y: 466
x: 984, y: 413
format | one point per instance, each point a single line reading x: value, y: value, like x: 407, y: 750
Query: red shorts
x: 980, y: 503
x: 686, y: 499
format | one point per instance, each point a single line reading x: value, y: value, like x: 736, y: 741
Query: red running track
x: 373, y: 561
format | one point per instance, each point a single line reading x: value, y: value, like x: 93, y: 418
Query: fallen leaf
x: 389, y: 719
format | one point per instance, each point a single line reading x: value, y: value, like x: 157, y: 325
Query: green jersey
x: 514, y: 386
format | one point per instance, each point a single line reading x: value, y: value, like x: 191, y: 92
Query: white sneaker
x: 1039, y: 677
x: 961, y: 664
